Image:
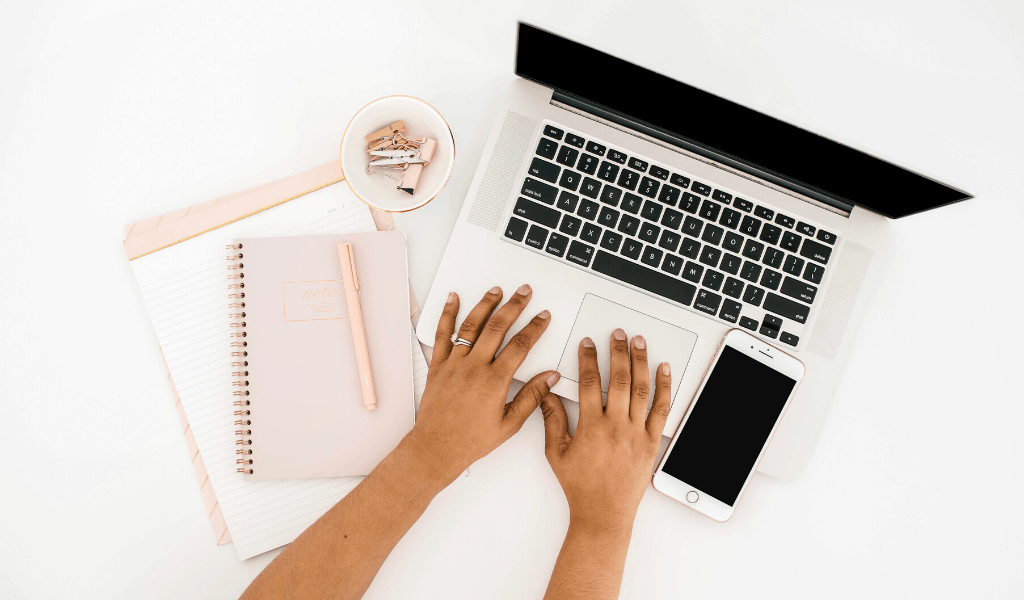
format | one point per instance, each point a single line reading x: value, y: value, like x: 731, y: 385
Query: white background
x: 115, y: 111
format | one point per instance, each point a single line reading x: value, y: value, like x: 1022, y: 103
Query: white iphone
x: 728, y: 425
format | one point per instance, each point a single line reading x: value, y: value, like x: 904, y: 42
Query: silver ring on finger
x: 461, y: 342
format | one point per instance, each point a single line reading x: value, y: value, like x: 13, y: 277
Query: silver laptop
x: 628, y: 199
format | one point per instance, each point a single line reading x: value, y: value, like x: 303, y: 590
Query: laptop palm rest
x: 598, y: 318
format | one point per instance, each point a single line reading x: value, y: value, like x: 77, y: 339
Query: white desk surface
x: 110, y: 113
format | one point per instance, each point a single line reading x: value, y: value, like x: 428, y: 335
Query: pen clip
x: 352, y: 265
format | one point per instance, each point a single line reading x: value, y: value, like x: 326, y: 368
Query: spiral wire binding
x: 240, y: 363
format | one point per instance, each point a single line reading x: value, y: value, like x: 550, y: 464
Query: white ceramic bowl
x: 421, y: 120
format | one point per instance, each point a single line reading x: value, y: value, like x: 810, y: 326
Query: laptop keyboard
x: 686, y: 241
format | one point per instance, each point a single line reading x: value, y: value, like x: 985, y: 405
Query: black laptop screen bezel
x: 741, y: 136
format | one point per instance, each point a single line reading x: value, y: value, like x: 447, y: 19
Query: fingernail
x: 639, y: 342
x: 543, y: 314
x: 665, y: 369
x: 619, y: 334
x: 553, y: 379
x: 494, y: 290
x: 587, y: 343
x: 524, y: 290
x: 451, y: 298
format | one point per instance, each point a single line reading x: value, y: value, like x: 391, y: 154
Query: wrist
x: 606, y: 527
x: 429, y: 464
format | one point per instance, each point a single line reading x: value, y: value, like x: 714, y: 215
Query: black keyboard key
x: 707, y: 302
x: 771, y: 279
x: 649, y: 187
x: 515, y: 229
x: 814, y: 273
x: 730, y: 263
x: 765, y: 213
x: 536, y: 236
x: 538, y: 213
x: 733, y: 287
x: 712, y: 280
x: 744, y: 205
x: 700, y: 188
x: 611, y: 241
x: 608, y: 217
x: 790, y: 241
x: 680, y: 180
x: 639, y: 165
x: 611, y: 195
x: 580, y: 253
x: 617, y: 156
x: 692, y: 226
x: 690, y: 248
x: 712, y: 234
x: 709, y: 210
x: 644, y: 278
x: 556, y: 244
x: 632, y: 203
x: 658, y: 172
x: 770, y: 326
x: 794, y: 288
x: 544, y: 170
x: 672, y: 218
x: 690, y: 203
x: 591, y: 188
x: 574, y: 140
x: 652, y: 256
x: 815, y: 251
x: 828, y: 238
x: 692, y: 271
x: 588, y: 164
x: 629, y: 225
x: 651, y: 211
x: 805, y: 229
x: 567, y: 156
x: 733, y: 242
x: 567, y: 201
x: 649, y: 232
x: 787, y: 222
x: 793, y: 265
x: 750, y: 226
x: 730, y: 311
x: 538, y: 190
x: 710, y: 256
x: 588, y: 210
x: 753, y: 250
x: 570, y: 225
x: 552, y: 131
x: 753, y: 295
x: 770, y: 233
x: 672, y: 264
x: 570, y: 180
x: 748, y: 323
x: 628, y: 179
x: 791, y: 309
x: 750, y: 271
x: 773, y: 257
x: 669, y: 240
x: 730, y: 218
x: 669, y: 195
x: 547, y: 148
x: 596, y: 148
x: 788, y: 338
x: 723, y: 197
x: 631, y: 248
x: 608, y: 171
x: 590, y: 233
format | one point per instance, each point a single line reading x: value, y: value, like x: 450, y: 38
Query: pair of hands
x: 603, y: 469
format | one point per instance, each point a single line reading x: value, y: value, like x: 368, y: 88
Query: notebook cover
x: 307, y: 416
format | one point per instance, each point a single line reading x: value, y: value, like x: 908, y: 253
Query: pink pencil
x: 355, y: 313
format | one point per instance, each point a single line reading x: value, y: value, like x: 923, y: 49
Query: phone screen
x: 729, y: 424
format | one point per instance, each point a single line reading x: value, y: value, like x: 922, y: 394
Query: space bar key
x: 644, y: 278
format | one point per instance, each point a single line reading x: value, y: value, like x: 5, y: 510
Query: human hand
x: 463, y: 415
x: 605, y: 467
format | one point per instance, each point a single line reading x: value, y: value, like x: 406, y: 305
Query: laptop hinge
x: 699, y: 152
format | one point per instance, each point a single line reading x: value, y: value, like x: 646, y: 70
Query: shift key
x: 791, y: 309
x: 538, y: 213
x: 544, y: 170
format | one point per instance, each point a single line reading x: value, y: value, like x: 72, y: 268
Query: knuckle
x: 467, y: 326
x: 661, y: 410
x: 520, y: 342
x: 590, y: 378
x: 642, y: 392
x: 621, y: 380
x: 496, y: 325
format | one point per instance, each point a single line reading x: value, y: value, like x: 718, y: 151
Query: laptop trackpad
x: 598, y: 318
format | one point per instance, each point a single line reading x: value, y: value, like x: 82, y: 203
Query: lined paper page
x: 185, y: 291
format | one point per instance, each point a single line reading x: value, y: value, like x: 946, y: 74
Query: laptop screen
x: 723, y: 130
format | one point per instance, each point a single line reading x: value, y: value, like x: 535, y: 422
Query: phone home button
x: 692, y: 497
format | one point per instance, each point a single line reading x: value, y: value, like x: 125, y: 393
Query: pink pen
x: 355, y: 313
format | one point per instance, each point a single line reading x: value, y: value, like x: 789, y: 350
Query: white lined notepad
x: 185, y: 291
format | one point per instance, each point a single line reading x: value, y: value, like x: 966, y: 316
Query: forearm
x: 590, y: 563
x: 339, y: 555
